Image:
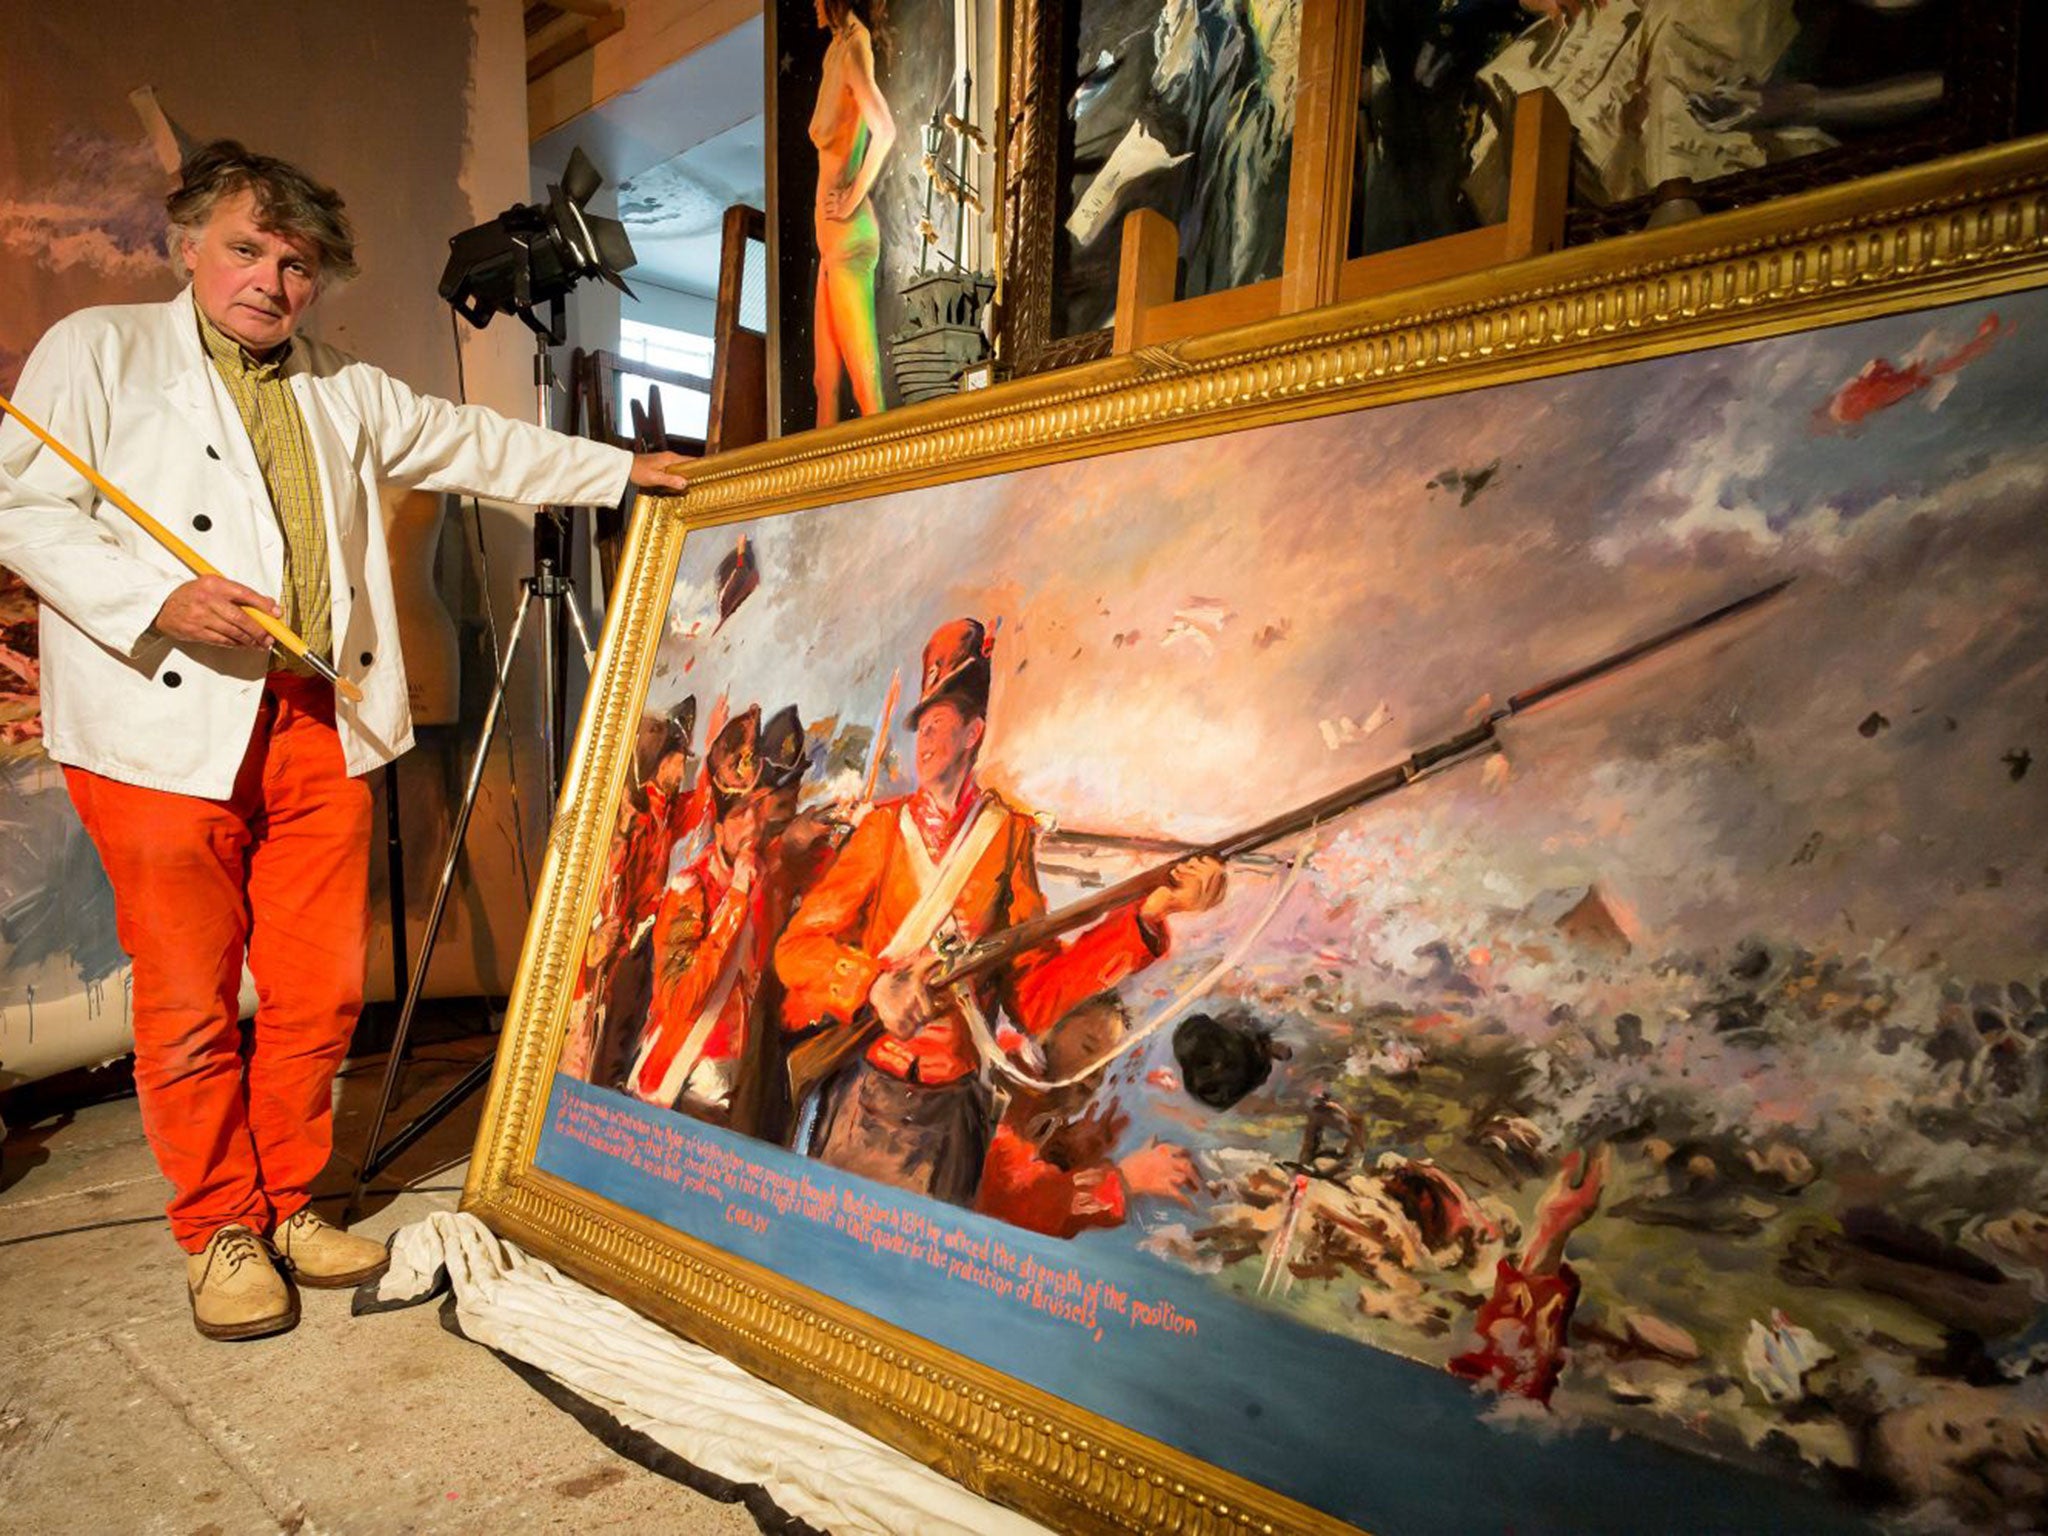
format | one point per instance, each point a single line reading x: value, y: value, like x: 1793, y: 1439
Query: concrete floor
x: 115, y: 1416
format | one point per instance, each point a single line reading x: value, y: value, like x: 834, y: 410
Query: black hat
x: 783, y: 759
x: 956, y: 669
x: 739, y: 574
x: 1224, y: 1057
x: 733, y: 760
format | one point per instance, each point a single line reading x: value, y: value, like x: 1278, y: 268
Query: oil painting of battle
x: 1550, y: 883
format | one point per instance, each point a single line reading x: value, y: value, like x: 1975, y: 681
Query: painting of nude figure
x: 1528, y: 905
x: 874, y: 105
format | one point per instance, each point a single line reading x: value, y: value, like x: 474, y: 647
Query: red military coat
x: 711, y: 949
x: 1021, y: 1186
x: 828, y: 955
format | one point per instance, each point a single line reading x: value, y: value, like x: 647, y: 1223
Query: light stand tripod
x: 550, y: 583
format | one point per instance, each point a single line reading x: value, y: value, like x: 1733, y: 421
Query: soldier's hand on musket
x: 903, y: 1000
x: 1194, y: 885
x: 207, y: 610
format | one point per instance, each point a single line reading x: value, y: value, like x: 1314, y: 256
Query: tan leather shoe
x: 325, y: 1257
x: 237, y: 1292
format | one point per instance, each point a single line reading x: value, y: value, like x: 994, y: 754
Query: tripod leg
x: 550, y: 690
x: 436, y: 1112
x: 575, y: 605
x: 374, y: 1159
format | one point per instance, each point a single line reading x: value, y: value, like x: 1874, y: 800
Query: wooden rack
x: 1316, y: 268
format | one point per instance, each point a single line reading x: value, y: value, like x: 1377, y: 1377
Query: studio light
x: 533, y: 253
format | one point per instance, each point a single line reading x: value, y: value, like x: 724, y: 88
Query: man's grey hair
x: 288, y: 202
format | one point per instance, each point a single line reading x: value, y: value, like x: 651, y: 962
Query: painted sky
x: 1186, y: 631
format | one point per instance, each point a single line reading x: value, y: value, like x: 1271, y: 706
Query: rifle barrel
x: 1529, y: 698
x: 1001, y: 947
x: 1025, y: 936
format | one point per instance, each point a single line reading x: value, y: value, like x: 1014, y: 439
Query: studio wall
x: 82, y: 182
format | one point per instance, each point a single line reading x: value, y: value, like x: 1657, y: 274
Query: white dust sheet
x: 697, y: 1404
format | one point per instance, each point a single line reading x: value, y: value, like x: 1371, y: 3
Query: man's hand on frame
x: 660, y: 472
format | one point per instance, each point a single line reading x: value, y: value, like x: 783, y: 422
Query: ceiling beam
x: 656, y: 34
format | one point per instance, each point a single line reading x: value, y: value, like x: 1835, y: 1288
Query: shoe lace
x: 301, y: 1223
x: 236, y: 1247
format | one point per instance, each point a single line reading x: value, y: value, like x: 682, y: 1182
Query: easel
x: 1315, y: 269
x: 739, y: 355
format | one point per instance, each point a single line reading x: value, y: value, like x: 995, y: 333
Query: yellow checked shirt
x: 263, y: 397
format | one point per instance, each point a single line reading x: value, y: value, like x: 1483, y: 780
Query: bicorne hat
x: 1224, y: 1056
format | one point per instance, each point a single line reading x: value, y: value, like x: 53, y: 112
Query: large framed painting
x: 1184, y: 107
x: 1419, y: 923
x: 882, y: 176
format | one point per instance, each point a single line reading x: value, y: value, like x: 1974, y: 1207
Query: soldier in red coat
x: 666, y: 810
x: 945, y: 865
x: 1525, y: 1326
x: 715, y: 925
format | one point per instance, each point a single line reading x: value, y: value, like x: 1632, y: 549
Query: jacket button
x: 203, y: 523
x: 171, y: 679
x: 211, y: 453
x: 366, y: 658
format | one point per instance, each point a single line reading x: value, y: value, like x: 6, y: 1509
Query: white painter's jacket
x: 130, y: 389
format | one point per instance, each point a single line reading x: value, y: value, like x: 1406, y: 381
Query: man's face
x: 946, y: 741
x: 745, y: 825
x: 254, y: 284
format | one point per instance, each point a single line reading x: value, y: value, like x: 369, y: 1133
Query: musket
x: 998, y: 948
x: 1088, y: 844
x: 1315, y: 1162
x: 815, y: 1058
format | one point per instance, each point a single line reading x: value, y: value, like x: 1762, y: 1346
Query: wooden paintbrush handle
x: 184, y: 553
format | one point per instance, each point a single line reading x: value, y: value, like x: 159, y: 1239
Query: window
x: 686, y: 412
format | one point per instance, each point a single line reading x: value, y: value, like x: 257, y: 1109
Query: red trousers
x: 278, y: 871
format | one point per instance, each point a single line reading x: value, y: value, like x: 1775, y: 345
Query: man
x: 948, y: 864
x: 634, y: 871
x: 715, y: 927
x: 221, y: 785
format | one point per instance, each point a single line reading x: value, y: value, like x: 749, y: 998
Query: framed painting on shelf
x: 1115, y: 105
x: 881, y: 174
x: 1411, y: 924
x: 1701, y: 105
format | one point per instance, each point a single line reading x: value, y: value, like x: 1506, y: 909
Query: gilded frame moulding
x: 1968, y: 227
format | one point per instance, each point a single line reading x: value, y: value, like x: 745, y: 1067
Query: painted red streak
x: 1883, y: 384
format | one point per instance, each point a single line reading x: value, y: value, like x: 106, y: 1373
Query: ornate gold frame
x: 1947, y: 231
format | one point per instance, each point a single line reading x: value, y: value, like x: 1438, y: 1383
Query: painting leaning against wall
x: 85, y: 226
x: 1705, y: 104
x: 1649, y: 1102
x: 1187, y: 109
